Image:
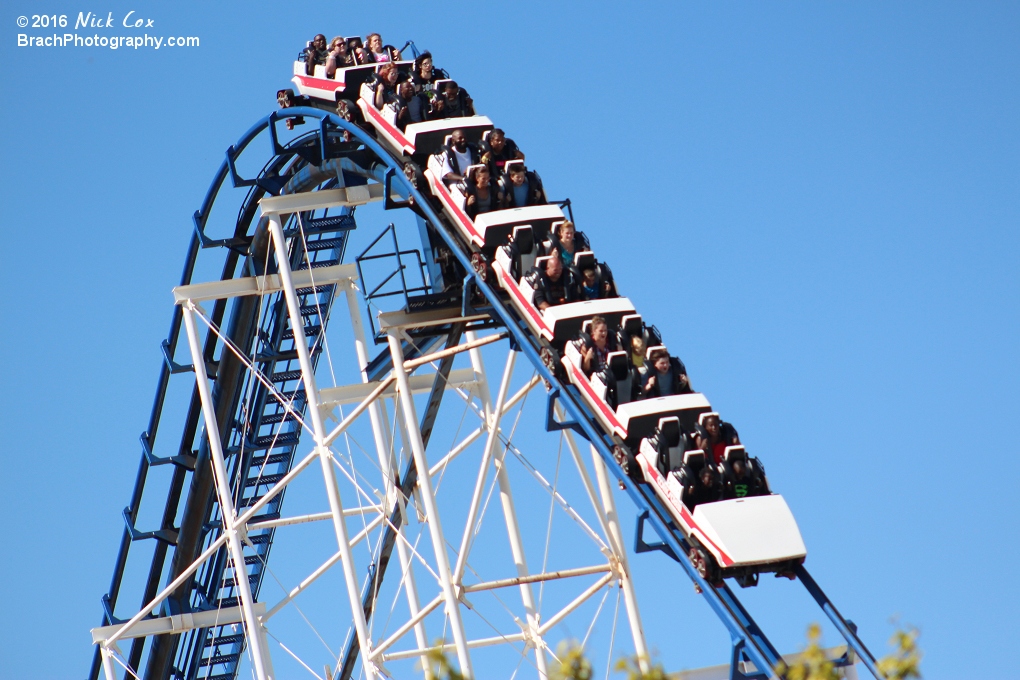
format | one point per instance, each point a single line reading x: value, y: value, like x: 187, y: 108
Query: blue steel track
x: 749, y: 642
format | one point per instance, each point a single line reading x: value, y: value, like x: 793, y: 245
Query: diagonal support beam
x: 431, y: 510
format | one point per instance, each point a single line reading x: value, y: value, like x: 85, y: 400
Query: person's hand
x: 590, y: 354
x: 470, y: 199
x: 650, y: 384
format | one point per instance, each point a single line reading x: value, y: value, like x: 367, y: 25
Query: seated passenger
x: 704, y: 489
x: 741, y: 479
x: 638, y: 347
x: 315, y: 54
x: 357, y: 49
x: 564, y: 246
x: 666, y: 377
x: 714, y: 435
x: 497, y: 150
x: 386, y: 86
x: 525, y: 188
x: 596, y: 352
x: 458, y: 157
x: 379, y: 54
x: 457, y: 101
x: 483, y: 193
x: 597, y: 282
x: 553, y: 286
x: 423, y: 75
x: 409, y: 105
x: 339, y: 56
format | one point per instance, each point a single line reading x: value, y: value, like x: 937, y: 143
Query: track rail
x: 748, y: 639
x: 318, y: 149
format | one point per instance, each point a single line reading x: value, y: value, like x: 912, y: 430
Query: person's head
x: 711, y: 425
x: 638, y: 345
x: 739, y: 467
x: 389, y: 73
x: 554, y: 268
x: 375, y: 42
x: 319, y: 42
x: 405, y: 90
x: 482, y: 177
x: 354, y: 43
x: 599, y: 330
x: 497, y: 140
x: 459, y: 140
x: 660, y: 360
x: 518, y: 175
x: 707, y: 477
x: 423, y: 65
x: 565, y: 232
x: 338, y: 45
x: 451, y: 90
x: 589, y: 277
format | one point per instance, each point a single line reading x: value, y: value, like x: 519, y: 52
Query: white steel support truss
x: 438, y: 585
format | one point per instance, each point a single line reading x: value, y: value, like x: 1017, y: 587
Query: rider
x: 315, y: 54
x: 714, y: 435
x: 553, y: 286
x: 459, y: 156
x: 666, y: 377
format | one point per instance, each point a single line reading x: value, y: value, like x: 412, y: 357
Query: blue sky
x: 817, y: 205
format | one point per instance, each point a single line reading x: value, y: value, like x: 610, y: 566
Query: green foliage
x: 813, y: 663
x: 574, y: 665
x: 631, y: 665
x: 439, y: 664
x: 903, y: 664
x: 905, y: 661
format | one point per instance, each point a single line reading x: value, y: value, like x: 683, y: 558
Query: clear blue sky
x: 817, y: 203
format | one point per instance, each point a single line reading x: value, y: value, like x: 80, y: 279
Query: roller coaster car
x: 560, y: 323
x: 417, y: 139
x: 489, y: 230
x: 738, y: 537
x: 608, y: 393
x: 345, y: 84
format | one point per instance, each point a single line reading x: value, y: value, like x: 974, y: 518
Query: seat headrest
x: 586, y: 326
x: 512, y: 164
x: 631, y: 324
x: 705, y: 416
x: 655, y: 348
x: 472, y: 169
x: 584, y: 260
x: 540, y: 262
x: 735, y: 453
x: 524, y: 238
x: 695, y: 459
x: 669, y: 431
x: 619, y: 365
